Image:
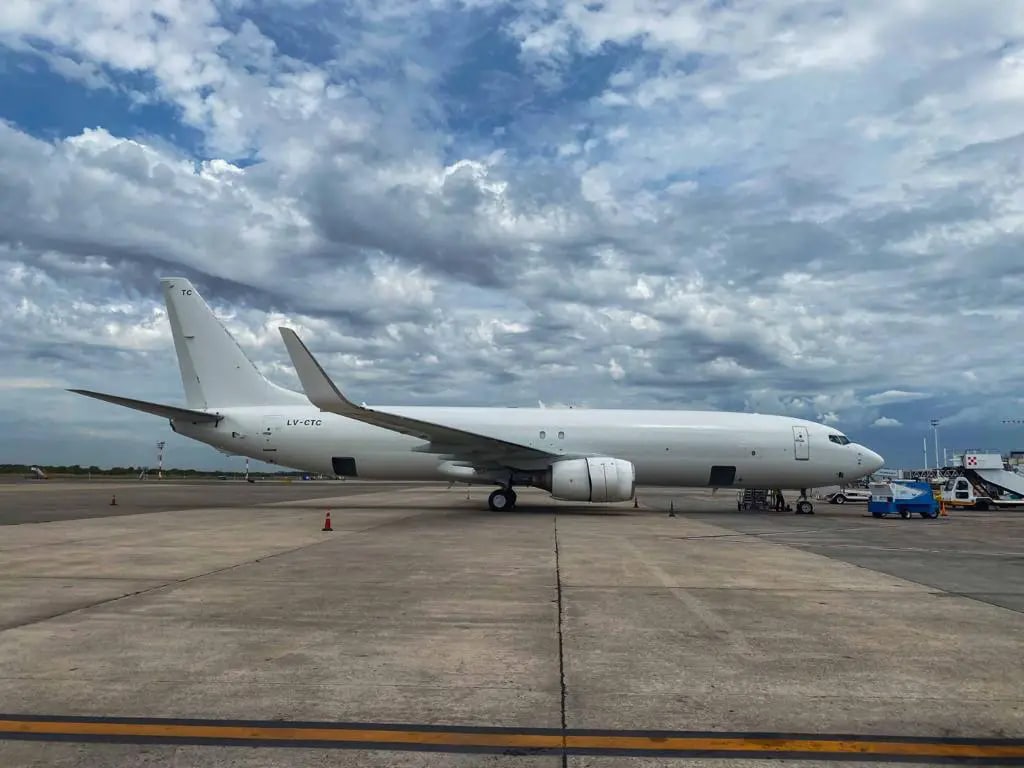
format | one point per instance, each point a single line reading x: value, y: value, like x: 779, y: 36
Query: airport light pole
x: 924, y: 442
x: 935, y: 429
x: 160, y: 459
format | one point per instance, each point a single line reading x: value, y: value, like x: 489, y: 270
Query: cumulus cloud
x: 893, y: 396
x: 885, y: 421
x: 15, y: 382
x: 787, y: 207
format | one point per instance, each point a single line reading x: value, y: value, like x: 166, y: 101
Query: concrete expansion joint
x: 561, y: 647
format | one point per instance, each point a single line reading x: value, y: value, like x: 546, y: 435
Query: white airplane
x: 584, y: 455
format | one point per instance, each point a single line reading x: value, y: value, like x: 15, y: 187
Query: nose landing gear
x: 803, y: 504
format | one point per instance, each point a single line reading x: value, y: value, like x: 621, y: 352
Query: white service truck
x: 983, y: 482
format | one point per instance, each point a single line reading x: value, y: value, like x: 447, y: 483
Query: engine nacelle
x: 598, y: 478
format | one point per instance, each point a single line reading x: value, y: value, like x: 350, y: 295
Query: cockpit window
x: 839, y: 439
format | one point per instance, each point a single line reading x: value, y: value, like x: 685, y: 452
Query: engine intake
x: 596, y: 478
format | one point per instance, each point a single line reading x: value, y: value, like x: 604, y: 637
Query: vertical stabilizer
x: 214, y: 370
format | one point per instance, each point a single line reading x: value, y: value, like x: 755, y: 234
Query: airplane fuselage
x: 673, y: 448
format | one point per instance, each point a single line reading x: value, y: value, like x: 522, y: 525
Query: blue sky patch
x: 46, y: 104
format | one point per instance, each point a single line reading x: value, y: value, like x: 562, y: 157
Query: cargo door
x: 722, y: 477
x: 801, y: 444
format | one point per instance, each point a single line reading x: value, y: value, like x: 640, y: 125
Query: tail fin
x: 214, y: 370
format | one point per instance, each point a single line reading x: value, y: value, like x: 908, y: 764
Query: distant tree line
x: 77, y: 470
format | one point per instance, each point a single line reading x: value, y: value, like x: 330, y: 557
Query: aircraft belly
x: 686, y: 458
x: 375, y: 456
x: 391, y: 466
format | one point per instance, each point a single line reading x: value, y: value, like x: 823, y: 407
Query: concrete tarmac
x: 41, y: 501
x: 593, y: 624
x: 975, y: 554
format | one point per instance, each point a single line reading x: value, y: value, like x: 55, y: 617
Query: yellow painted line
x: 815, y: 746
x: 511, y: 740
x: 259, y: 733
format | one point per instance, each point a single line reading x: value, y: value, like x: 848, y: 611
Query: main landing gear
x: 502, y: 500
x: 803, y: 505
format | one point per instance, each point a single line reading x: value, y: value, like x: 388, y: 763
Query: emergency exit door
x: 801, y: 444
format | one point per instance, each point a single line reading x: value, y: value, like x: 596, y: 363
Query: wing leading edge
x: 452, y: 441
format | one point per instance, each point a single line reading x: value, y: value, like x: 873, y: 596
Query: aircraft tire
x: 501, y: 500
x: 804, y: 508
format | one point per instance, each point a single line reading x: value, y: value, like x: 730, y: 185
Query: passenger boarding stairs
x: 990, y: 482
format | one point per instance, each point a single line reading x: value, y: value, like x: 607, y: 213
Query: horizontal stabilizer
x: 167, y: 411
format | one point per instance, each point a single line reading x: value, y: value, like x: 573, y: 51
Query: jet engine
x: 595, y: 478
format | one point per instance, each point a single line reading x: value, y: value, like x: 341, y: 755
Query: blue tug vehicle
x: 905, y: 498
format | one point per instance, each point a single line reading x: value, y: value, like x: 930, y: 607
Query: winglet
x: 442, y: 438
x: 317, y: 385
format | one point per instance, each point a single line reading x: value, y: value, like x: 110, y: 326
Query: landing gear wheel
x: 804, y: 507
x: 501, y: 500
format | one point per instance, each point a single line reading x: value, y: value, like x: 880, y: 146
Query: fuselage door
x: 801, y: 444
x: 271, y: 427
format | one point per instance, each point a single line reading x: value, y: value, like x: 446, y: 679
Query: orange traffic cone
x: 327, y: 522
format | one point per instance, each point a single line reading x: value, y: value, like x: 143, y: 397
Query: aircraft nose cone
x: 872, y: 460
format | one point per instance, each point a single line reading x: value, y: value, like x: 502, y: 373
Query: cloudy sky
x: 811, y: 207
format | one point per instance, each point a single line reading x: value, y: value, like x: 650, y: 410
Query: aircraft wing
x: 167, y: 411
x: 450, y: 441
